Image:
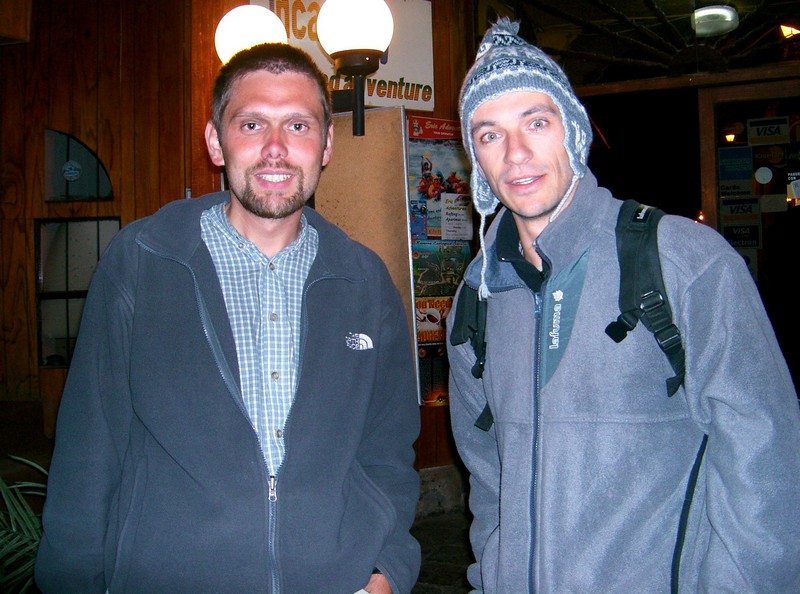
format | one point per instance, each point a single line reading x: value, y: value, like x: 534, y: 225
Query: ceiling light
x: 246, y: 26
x: 709, y: 21
x: 788, y: 31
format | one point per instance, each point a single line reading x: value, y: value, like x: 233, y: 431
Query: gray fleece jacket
x: 579, y: 483
x: 158, y: 482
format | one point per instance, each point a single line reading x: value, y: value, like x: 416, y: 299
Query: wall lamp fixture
x: 355, y: 34
x: 246, y: 26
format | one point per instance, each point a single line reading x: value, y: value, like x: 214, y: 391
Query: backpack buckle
x: 619, y: 328
x: 668, y: 338
x: 651, y: 301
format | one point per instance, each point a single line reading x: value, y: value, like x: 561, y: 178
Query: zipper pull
x: 273, y: 490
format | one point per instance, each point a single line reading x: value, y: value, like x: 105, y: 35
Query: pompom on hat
x: 506, y: 63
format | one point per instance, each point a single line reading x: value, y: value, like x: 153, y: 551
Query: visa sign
x: 768, y: 130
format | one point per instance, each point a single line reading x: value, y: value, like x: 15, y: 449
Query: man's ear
x: 326, y: 152
x: 214, y: 146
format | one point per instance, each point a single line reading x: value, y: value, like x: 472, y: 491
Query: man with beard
x: 241, y: 406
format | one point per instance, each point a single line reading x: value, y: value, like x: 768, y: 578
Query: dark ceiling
x: 600, y: 41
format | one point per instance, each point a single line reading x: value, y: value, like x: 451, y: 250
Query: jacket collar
x: 561, y: 243
x: 174, y: 231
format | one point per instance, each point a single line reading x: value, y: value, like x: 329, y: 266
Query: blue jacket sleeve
x: 386, y: 451
x: 85, y: 468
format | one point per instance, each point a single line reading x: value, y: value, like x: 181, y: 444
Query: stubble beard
x: 272, y: 205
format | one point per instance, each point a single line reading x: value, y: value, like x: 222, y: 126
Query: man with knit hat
x: 585, y: 475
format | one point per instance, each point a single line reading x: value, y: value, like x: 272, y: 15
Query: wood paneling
x: 15, y: 20
x: 112, y: 75
x: 17, y: 371
x: 205, y: 63
x: 133, y: 81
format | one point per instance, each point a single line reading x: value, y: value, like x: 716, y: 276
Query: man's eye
x: 299, y: 127
x: 250, y: 126
x: 538, y: 124
x: 488, y: 137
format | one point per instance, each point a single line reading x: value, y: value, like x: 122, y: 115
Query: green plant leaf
x: 20, y: 532
x: 30, y: 463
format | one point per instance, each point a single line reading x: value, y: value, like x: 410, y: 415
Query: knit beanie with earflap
x: 506, y: 63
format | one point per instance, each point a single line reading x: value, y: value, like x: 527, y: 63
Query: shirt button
x: 241, y: 246
x: 279, y: 433
x: 273, y: 316
x: 275, y: 375
x: 271, y: 266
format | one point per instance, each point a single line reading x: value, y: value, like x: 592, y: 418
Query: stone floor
x: 445, y: 553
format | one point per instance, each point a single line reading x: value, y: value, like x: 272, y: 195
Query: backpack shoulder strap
x: 469, y: 324
x: 642, y: 295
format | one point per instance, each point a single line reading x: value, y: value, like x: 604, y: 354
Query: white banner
x: 405, y: 76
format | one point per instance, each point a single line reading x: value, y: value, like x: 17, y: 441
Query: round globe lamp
x: 246, y: 26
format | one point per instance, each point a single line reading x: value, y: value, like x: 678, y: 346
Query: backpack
x: 642, y: 297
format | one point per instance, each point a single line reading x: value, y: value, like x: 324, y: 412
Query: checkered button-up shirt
x: 264, y: 298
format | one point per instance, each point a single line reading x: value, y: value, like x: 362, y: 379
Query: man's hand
x: 378, y: 584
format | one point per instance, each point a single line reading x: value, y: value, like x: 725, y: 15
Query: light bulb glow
x: 788, y: 31
x: 714, y: 20
x: 246, y: 26
x: 730, y: 137
x: 344, y: 25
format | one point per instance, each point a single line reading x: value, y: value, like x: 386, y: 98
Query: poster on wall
x: 431, y: 317
x: 438, y: 266
x: 434, y: 370
x: 441, y: 221
x: 438, y: 177
x: 405, y: 75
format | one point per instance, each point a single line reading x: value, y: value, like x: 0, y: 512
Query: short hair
x: 276, y: 58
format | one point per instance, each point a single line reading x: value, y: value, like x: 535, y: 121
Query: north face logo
x: 358, y: 342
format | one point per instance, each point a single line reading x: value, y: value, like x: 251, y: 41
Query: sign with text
x: 741, y: 221
x: 438, y: 176
x: 735, y: 171
x: 768, y: 130
x: 405, y: 75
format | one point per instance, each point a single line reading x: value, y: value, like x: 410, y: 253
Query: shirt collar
x: 220, y: 218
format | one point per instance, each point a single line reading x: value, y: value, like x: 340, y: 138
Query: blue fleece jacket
x: 157, y: 482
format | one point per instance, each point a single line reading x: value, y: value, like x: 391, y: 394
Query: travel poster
x: 437, y: 165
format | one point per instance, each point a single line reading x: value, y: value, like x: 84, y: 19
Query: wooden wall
x: 111, y: 74
x: 132, y: 81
